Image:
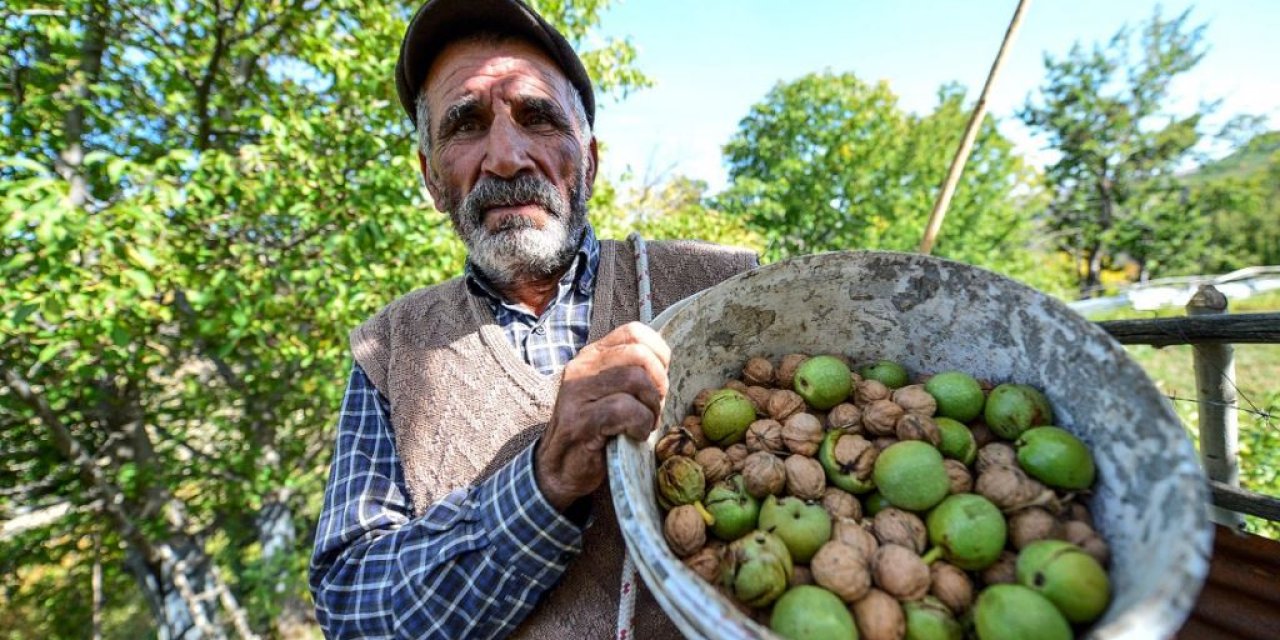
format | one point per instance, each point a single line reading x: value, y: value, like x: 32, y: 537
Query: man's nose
x: 507, y: 150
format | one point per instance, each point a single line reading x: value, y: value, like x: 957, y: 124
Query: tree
x: 828, y: 162
x: 1239, y: 196
x: 1103, y: 111
x: 200, y: 200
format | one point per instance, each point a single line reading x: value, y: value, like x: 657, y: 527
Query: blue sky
x: 712, y: 59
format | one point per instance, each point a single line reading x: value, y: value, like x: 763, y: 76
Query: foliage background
x: 201, y: 199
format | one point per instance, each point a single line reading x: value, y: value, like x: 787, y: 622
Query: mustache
x: 502, y: 192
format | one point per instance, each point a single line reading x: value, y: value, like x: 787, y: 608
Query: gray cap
x: 440, y: 22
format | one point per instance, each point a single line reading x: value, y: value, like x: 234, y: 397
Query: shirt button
x: 539, y: 330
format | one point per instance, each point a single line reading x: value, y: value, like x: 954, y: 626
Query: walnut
x: 700, y: 401
x: 759, y: 397
x: 737, y: 385
x: 842, y: 570
x: 982, y: 434
x: 1084, y: 536
x: 715, y: 464
x: 1002, y: 571
x: 917, y: 427
x: 1078, y: 512
x: 996, y: 454
x: 880, y: 617
x: 764, y: 474
x: 784, y: 375
x: 958, y: 475
x: 802, y: 433
x: 685, y: 530
x: 765, y: 435
x: 693, y: 424
x: 1011, y: 489
x: 905, y: 529
x: 805, y: 477
x: 915, y: 400
x: 707, y: 561
x: 783, y: 404
x: 880, y: 418
x: 854, y: 534
x: 677, y: 442
x: 884, y: 442
x: 951, y: 586
x: 845, y: 417
x: 1030, y: 525
x: 900, y: 572
x: 855, y: 455
x: 737, y: 454
x: 800, y: 574
x: 841, y: 504
x: 869, y: 391
x: 758, y: 371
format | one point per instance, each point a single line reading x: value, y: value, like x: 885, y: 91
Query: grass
x: 1258, y: 390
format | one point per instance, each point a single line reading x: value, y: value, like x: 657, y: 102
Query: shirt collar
x: 583, y: 270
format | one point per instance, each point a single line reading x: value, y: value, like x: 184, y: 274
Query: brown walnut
x: 958, y: 476
x: 693, y: 424
x: 759, y: 397
x: 915, y: 400
x: 805, y: 477
x: 841, y: 504
x: 685, y: 530
x: 855, y: 534
x: 737, y: 454
x: 706, y: 561
x: 912, y: 426
x: 879, y: 617
x: 783, y: 404
x: 1002, y: 571
x: 842, y: 570
x: 952, y: 586
x: 715, y: 464
x: 996, y: 454
x: 758, y: 371
x: 677, y: 442
x: 802, y: 433
x: 764, y: 474
x: 845, y: 417
x: 1032, y: 525
x: 784, y: 375
x: 903, y: 528
x: 900, y: 572
x: 880, y: 418
x: 765, y: 435
x: 869, y: 391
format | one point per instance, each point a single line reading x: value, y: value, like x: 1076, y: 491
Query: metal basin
x: 932, y: 315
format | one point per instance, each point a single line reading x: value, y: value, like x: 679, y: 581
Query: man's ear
x: 428, y: 176
x: 593, y: 161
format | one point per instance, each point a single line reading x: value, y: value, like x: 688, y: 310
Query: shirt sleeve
x: 472, y: 566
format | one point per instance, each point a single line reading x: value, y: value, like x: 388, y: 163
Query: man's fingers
x: 635, y: 381
x: 638, y: 333
x: 623, y: 414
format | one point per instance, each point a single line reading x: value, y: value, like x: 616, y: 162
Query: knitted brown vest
x: 463, y: 403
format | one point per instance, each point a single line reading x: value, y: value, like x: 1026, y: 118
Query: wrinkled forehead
x: 478, y: 68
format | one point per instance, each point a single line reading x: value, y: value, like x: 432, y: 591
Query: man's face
x: 508, y: 162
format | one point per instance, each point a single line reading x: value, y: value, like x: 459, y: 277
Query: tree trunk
x: 173, y: 616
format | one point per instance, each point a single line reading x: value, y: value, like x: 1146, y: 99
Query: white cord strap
x: 627, y: 595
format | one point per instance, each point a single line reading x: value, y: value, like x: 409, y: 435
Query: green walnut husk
x: 911, y: 476
x: 1055, y: 457
x: 757, y: 569
x: 969, y: 530
x: 851, y: 470
x: 680, y: 481
x: 802, y: 526
x: 823, y: 381
x: 1015, y: 612
x: 727, y: 416
x: 957, y: 440
x: 735, y: 511
x: 806, y: 612
x: 1013, y: 408
x: 887, y: 372
x: 929, y: 619
x: 1070, y: 578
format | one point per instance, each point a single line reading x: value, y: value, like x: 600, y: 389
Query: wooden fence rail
x: 1213, y: 332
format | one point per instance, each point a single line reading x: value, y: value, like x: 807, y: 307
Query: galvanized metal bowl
x: 932, y: 315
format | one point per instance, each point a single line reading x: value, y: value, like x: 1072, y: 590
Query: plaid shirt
x: 478, y: 561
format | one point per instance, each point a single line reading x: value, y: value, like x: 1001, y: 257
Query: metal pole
x: 970, y: 133
x: 1216, y: 391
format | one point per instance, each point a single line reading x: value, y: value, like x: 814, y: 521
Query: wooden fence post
x: 1216, y: 392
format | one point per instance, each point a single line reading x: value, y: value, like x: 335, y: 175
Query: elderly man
x: 466, y: 495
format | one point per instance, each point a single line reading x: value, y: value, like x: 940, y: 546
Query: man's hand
x: 613, y: 386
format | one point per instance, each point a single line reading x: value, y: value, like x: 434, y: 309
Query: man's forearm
x: 469, y: 568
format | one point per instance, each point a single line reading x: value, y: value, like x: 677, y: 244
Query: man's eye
x: 467, y: 127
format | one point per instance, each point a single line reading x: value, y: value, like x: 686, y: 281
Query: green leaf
x: 143, y: 281
x: 24, y: 310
